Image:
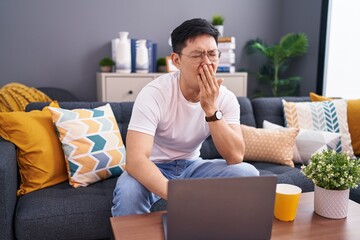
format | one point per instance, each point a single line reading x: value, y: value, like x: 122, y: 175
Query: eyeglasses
x: 198, y: 57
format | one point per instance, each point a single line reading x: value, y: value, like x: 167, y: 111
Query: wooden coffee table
x: 307, y: 224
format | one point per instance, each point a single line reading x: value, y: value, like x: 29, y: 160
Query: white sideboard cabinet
x: 122, y: 87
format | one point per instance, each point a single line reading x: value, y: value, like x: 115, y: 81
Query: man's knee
x: 128, y: 186
x: 130, y: 197
x: 243, y: 169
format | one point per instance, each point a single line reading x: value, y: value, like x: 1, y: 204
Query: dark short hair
x: 189, y: 30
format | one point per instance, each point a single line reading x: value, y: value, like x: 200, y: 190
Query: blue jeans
x: 131, y: 197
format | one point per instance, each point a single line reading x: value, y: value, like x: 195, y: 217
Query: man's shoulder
x: 164, y: 79
x: 164, y: 83
x: 160, y: 89
x: 225, y: 92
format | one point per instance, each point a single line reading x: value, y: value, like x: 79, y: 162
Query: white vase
x: 123, y: 53
x: 142, y: 57
x: 331, y: 203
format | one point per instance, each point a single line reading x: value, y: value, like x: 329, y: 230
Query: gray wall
x: 304, y: 16
x: 52, y: 43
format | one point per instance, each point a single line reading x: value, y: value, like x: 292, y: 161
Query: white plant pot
x: 331, y: 203
x: 106, y: 69
x: 220, y: 28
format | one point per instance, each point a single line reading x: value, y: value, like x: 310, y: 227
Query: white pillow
x: 309, y: 142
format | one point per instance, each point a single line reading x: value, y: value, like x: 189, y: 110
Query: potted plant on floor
x: 106, y: 64
x: 333, y: 174
x: 278, y: 57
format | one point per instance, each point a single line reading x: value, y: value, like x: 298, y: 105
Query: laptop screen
x: 220, y: 208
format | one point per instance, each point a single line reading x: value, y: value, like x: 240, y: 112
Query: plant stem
x: 276, y: 78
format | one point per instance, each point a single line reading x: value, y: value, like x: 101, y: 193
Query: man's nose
x: 206, y: 58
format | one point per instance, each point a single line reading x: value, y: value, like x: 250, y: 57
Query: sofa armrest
x: 8, y: 187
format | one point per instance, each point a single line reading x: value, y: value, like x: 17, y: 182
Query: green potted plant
x: 106, y: 64
x: 161, y: 64
x: 218, y: 22
x: 278, y: 57
x: 333, y: 174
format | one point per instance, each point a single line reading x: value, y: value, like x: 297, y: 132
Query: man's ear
x: 175, y: 59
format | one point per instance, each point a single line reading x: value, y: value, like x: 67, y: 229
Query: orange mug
x: 286, y: 202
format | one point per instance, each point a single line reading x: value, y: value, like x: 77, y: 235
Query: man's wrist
x: 210, y: 112
x: 217, y: 115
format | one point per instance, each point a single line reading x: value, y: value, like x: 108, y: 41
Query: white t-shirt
x: 178, y: 126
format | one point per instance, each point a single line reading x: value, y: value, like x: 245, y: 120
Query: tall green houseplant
x: 278, y: 57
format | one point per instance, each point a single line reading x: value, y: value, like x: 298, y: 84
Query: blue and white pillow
x: 329, y: 116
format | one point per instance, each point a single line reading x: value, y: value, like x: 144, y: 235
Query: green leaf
x: 278, y: 58
x: 294, y: 44
x: 256, y: 45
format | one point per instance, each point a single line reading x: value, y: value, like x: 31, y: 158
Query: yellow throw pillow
x: 353, y: 117
x: 317, y: 98
x: 269, y: 145
x: 40, y: 156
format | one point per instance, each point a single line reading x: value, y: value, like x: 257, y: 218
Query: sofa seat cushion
x: 285, y: 174
x: 63, y: 212
x: 355, y: 194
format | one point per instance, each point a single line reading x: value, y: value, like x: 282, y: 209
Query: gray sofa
x: 63, y: 212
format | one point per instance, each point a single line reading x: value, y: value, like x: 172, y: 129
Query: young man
x: 171, y: 118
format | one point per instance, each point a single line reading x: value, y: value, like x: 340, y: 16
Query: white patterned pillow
x: 330, y: 116
x: 309, y: 142
x: 269, y: 145
x: 91, y: 142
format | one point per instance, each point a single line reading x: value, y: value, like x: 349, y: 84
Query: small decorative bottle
x: 123, y: 53
x: 142, y: 57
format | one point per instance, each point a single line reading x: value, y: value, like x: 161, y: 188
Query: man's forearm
x: 147, y: 173
x: 139, y: 166
x: 228, y: 141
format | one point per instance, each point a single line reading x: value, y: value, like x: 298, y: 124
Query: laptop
x: 220, y: 208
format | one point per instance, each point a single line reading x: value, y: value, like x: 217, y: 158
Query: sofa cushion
x: 309, y: 142
x: 328, y: 116
x: 122, y: 111
x: 58, y: 94
x: 246, y: 112
x: 285, y: 174
x: 271, y: 109
x: 40, y: 157
x: 91, y: 142
x: 353, y: 117
x: 271, y: 145
x: 63, y: 212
